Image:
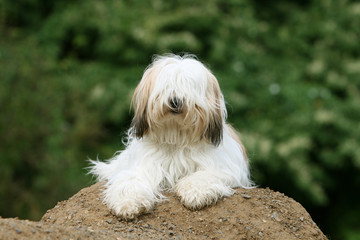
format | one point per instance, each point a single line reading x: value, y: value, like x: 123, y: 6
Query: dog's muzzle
x: 176, y: 105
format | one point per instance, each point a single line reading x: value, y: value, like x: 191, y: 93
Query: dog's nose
x: 175, y: 105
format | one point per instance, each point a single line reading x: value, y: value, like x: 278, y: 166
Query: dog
x: 178, y: 141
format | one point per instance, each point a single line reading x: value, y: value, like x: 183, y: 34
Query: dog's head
x: 180, y: 91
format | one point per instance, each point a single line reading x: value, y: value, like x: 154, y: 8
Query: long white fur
x: 173, y: 154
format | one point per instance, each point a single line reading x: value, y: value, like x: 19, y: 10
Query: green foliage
x: 289, y: 72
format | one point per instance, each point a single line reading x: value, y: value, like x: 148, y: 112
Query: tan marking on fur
x: 235, y: 135
x: 214, y: 93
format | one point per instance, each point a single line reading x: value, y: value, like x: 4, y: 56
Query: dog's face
x: 180, y: 92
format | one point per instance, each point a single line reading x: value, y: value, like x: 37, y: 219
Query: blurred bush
x: 289, y: 72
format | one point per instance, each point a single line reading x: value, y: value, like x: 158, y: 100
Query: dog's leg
x: 201, y: 189
x: 129, y: 196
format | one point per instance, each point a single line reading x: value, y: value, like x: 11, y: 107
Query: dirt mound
x: 249, y: 214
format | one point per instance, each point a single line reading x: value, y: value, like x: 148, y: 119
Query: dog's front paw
x: 127, y: 209
x: 195, y: 200
x: 129, y: 200
x: 201, y: 189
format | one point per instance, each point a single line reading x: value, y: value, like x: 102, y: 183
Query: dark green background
x: 289, y: 71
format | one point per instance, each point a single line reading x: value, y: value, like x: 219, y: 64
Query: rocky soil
x: 249, y: 214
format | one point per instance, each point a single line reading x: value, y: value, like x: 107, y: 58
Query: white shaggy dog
x: 178, y: 141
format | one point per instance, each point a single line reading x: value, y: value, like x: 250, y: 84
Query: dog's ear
x: 140, y: 124
x: 214, y: 130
